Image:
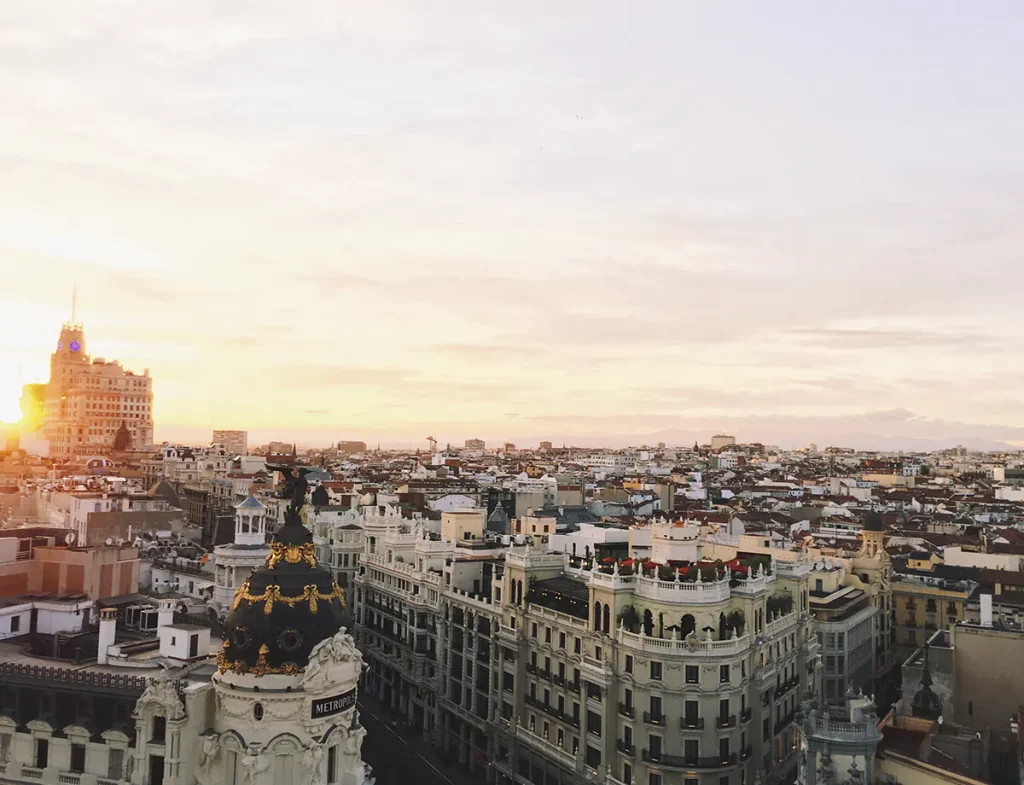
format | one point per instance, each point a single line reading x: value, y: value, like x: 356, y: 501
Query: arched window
x: 721, y: 627
x: 648, y: 623
x: 688, y: 624
x: 607, y: 618
x: 597, y: 616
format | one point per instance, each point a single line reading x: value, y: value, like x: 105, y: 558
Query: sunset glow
x: 499, y: 234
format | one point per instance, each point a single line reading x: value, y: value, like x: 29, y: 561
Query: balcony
x: 786, y: 720
x: 627, y: 711
x: 786, y: 686
x: 746, y: 714
x: 726, y: 722
x: 625, y: 749
x: 558, y: 680
x: 684, y: 762
x: 691, y: 723
x: 747, y: 752
x: 531, y: 668
x: 654, y: 719
x: 551, y: 711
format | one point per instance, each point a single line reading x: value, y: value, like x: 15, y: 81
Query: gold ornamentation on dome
x: 292, y: 554
x: 261, y: 661
x: 272, y: 594
x: 261, y: 668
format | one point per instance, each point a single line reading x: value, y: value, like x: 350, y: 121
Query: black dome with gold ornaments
x: 286, y: 607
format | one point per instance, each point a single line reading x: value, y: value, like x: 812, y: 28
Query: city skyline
x: 736, y: 222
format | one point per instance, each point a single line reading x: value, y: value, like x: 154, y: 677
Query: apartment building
x: 522, y: 663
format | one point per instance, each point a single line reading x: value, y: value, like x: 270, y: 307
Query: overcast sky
x: 519, y: 220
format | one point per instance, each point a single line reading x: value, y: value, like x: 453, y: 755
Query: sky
x: 585, y: 221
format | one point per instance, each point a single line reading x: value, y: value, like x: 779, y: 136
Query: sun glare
x: 10, y: 398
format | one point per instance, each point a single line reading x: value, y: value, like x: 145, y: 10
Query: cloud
x: 862, y: 338
x: 345, y: 375
x: 443, y: 234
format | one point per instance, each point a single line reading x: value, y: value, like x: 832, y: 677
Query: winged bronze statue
x: 295, y: 486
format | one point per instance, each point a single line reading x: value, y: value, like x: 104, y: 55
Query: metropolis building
x: 274, y: 703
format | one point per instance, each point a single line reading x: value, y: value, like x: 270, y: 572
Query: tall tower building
x: 87, y: 400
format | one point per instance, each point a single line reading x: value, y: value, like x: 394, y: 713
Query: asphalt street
x: 393, y: 758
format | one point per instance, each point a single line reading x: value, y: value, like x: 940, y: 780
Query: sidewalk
x: 431, y: 756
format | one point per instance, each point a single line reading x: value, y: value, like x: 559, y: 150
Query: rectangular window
x: 690, y: 753
x: 593, y: 757
x: 723, y: 673
x: 594, y: 723
x: 655, y: 708
x: 533, y: 630
x: 561, y: 640
x: 655, y: 671
x: 159, y: 730
x: 653, y: 779
x: 15, y: 623
x: 629, y: 698
x: 115, y: 763
x: 42, y: 753
x: 627, y: 773
x: 77, y: 758
x: 576, y: 645
x: 5, y: 747
x: 561, y: 737
x: 692, y: 674
x: 629, y: 663
x: 691, y: 713
x: 332, y: 764
x: 547, y: 635
x: 654, y: 743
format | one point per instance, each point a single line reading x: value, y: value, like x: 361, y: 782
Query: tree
x: 630, y: 618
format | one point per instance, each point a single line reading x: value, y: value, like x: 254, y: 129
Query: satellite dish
x: 108, y: 541
x: 69, y: 538
x: 819, y: 565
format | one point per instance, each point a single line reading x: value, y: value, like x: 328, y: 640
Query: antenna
x: 74, y: 303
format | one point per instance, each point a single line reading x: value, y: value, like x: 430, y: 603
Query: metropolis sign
x: 325, y: 707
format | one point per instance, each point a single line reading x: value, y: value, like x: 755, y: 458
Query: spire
x: 926, y: 703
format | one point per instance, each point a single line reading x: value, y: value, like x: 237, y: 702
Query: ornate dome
x: 286, y: 607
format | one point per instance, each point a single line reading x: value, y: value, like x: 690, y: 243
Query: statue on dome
x: 295, y: 487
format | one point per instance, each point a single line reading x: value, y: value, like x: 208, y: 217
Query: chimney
x: 108, y: 629
x: 165, y: 615
x: 986, y: 610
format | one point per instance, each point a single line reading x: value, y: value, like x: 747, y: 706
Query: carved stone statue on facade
x: 163, y: 692
x: 311, y: 760
x: 254, y: 763
x: 209, y: 749
x: 331, y: 651
x: 353, y: 742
